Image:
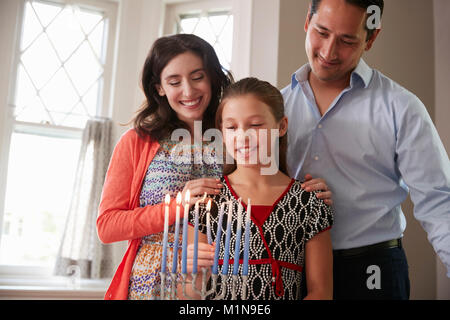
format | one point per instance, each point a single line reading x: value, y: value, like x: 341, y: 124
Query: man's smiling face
x: 336, y: 39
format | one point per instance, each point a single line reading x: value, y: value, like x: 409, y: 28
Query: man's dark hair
x: 360, y: 3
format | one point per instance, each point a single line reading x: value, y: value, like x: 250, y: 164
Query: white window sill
x: 52, y: 287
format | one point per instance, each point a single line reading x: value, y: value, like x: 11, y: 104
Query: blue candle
x: 208, y: 222
x: 166, y: 232
x: 237, y: 244
x: 227, y: 240
x: 247, y: 239
x: 194, y: 267
x: 187, y: 199
x: 177, y: 235
x: 215, y: 268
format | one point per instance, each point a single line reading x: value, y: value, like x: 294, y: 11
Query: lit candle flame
x: 187, y: 196
x: 167, y: 199
x: 208, y: 206
x: 179, y: 198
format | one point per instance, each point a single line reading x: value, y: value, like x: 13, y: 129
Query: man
x: 373, y: 142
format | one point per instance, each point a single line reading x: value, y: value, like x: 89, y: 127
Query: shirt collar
x: 362, y: 71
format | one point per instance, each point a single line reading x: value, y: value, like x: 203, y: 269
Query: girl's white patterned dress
x: 279, y: 234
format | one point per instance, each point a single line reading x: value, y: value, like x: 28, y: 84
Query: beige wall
x: 291, y: 43
x: 404, y: 51
x: 139, y: 22
x: 442, y: 106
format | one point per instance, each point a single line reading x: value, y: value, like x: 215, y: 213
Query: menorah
x: 203, y: 290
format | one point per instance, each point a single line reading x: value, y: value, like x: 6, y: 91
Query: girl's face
x: 186, y: 85
x: 246, y: 125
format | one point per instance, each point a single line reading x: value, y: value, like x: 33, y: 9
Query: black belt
x: 396, y: 243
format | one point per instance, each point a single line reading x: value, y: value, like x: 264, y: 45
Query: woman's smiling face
x: 186, y: 85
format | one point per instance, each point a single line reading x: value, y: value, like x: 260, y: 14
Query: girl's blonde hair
x: 267, y: 94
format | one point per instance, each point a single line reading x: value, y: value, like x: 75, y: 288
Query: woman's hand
x: 205, y: 256
x: 319, y: 185
x: 199, y: 187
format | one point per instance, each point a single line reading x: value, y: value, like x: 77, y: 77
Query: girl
x: 288, y: 224
x: 183, y: 81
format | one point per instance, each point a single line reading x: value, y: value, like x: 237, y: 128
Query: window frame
x: 241, y: 61
x: 176, y: 8
x: 110, y: 9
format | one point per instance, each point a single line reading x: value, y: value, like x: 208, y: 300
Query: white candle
x: 187, y: 199
x: 227, y: 240
x: 237, y: 243
x: 166, y: 231
x: 194, y: 267
x: 215, y: 268
x: 208, y: 222
x: 247, y: 239
x: 177, y: 235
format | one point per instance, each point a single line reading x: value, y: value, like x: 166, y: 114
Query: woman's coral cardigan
x: 120, y: 217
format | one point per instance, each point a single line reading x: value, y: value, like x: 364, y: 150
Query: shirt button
x: 316, y: 158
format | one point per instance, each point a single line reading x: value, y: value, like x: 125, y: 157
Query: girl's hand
x: 205, y: 256
x: 319, y: 185
x: 198, y: 187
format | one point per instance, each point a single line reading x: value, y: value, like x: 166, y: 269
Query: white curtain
x: 80, y: 246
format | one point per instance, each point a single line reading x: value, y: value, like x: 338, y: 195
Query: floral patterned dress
x: 169, y: 171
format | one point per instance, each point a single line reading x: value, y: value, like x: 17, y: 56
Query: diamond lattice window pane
x: 65, y: 33
x: 96, y: 40
x: 88, y: 20
x: 226, y: 38
x: 31, y: 29
x: 90, y: 99
x: 66, y: 96
x: 34, y: 112
x: 204, y: 31
x: 40, y: 61
x: 188, y: 24
x: 216, y: 28
x: 46, y: 12
x: 61, y: 64
x: 26, y: 89
x: 221, y: 55
x: 217, y: 23
x: 83, y: 59
x: 78, y: 117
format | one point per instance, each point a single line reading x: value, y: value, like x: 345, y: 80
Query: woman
x: 183, y: 81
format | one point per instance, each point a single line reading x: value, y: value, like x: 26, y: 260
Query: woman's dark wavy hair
x: 267, y: 94
x: 156, y: 118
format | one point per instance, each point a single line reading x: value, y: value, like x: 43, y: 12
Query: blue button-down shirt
x: 375, y: 144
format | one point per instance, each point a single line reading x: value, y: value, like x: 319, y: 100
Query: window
x: 210, y: 20
x: 62, y: 78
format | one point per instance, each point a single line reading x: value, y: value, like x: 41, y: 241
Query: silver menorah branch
x: 223, y: 287
x: 203, y: 292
